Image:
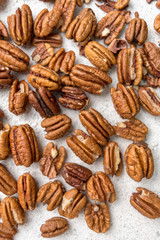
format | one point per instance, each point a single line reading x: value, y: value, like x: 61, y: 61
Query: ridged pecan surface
x: 4, y: 141
x: 54, y: 39
x: 43, y: 54
x: 5, y: 77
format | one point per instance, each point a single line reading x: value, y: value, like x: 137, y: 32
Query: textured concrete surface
x: 126, y: 222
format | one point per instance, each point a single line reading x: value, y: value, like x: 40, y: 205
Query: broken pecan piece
x: 157, y: 23
x: 54, y: 39
x: 153, y: 81
x: 117, y: 45
x: 43, y: 54
x: 6, y: 233
x: 4, y: 141
x: 66, y: 81
x: 3, y: 31
x: 80, y: 2
x: 5, y: 77
x: 121, y: 4
x: 1, y: 114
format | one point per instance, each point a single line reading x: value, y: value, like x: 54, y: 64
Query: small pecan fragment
x: 1, y: 114
x: 100, y: 188
x: 43, y: 54
x: 5, y: 77
x: 117, y: 45
x: 52, y: 160
x: 54, y: 39
x: 157, y: 23
x: 139, y: 161
x: 66, y: 81
x: 146, y: 202
x: 3, y: 31
x: 54, y: 227
x: 125, y: 101
x: 56, y: 126
x: 90, y: 79
x: 72, y: 203
x: 82, y: 27
x: 6, y: 233
x: 4, y: 141
x: 80, y: 2
x: 18, y: 97
x: 51, y: 194
x: 76, y: 175
x: 121, y: 4
x: 153, y: 82
x: 20, y: 25
x: 24, y: 146
x: 97, y: 217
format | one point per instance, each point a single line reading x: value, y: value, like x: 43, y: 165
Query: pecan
x: 62, y: 61
x: 8, y: 184
x: 132, y: 129
x: 44, y: 102
x: 6, y: 233
x: 4, y: 141
x: 26, y: 188
x: 99, y: 56
x: 117, y: 45
x: 1, y: 114
x: 139, y: 161
x: 43, y: 54
x: 51, y: 194
x: 54, y: 227
x: 149, y: 100
x: 76, y: 175
x: 80, y: 2
x: 157, y: 23
x: 84, y: 146
x: 66, y: 81
x: 96, y: 125
x: 110, y: 26
x: 18, y: 97
x: 153, y: 82
x: 90, y: 79
x: 24, y: 146
x: 100, y: 188
x: 72, y: 203
x: 73, y: 98
x: 3, y: 31
x: 146, y: 202
x: 52, y: 160
x: 13, y: 57
x: 158, y: 4
x: 54, y: 39
x: 121, y: 4
x: 56, y: 126
x: 5, y: 77
x: 44, y: 77
x: 82, y: 27
x: 97, y: 217
x: 125, y: 101
x: 20, y: 25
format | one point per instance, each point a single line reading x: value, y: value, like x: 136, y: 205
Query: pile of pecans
x: 57, y: 72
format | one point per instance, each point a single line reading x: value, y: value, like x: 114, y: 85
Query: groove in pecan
x: 54, y: 39
x: 43, y: 54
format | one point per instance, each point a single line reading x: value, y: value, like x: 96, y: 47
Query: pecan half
x: 153, y: 82
x: 97, y: 217
x: 51, y: 194
x: 5, y: 77
x: 100, y: 188
x: 139, y: 161
x: 43, y: 54
x: 125, y: 101
x: 121, y: 4
x: 24, y: 146
x: 56, y: 126
x: 96, y: 125
x: 66, y: 81
x: 117, y: 45
x: 157, y: 23
x: 3, y: 31
x: 54, y: 39
x: 4, y: 141
x: 6, y: 233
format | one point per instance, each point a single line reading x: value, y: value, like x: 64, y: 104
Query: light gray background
x: 126, y: 222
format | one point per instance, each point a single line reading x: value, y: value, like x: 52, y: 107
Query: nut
x: 1, y: 114
x: 80, y: 2
x: 121, y: 4
x: 66, y: 81
x: 54, y: 39
x: 3, y: 31
x: 43, y: 54
x: 6, y: 233
x: 158, y: 4
x: 157, y: 23
x: 153, y: 82
x: 4, y: 141
x: 139, y: 161
x: 117, y: 45
x: 5, y: 77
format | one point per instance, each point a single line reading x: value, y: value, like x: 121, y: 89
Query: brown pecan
x: 99, y: 56
x: 97, y: 126
x: 149, y: 100
x: 76, y: 175
x: 4, y: 141
x: 125, y: 101
x: 121, y: 4
x: 24, y: 146
x: 5, y: 77
x: 82, y: 27
x: 56, y: 126
x: 158, y: 4
x: 41, y: 76
x: 6, y: 233
x: 44, y: 102
x: 139, y: 161
x: 132, y: 129
x: 157, y: 23
x: 97, y: 217
x: 54, y: 39
x: 146, y: 202
x: 90, y: 79
x: 51, y: 194
x: 43, y: 54
x: 72, y: 203
x: 84, y: 146
x: 153, y: 81
x: 1, y: 114
x: 100, y: 188
x: 110, y: 26
x: 117, y: 45
x: 52, y: 160
x: 54, y: 227
x: 13, y: 57
x: 20, y: 25
x: 18, y: 97
x: 66, y: 81
x: 73, y: 98
x: 62, y: 61
x: 3, y: 31
x: 80, y: 2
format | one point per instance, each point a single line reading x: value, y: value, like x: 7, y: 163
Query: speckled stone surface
x: 126, y: 222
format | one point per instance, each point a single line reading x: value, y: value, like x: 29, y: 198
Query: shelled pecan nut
x: 1, y: 114
x: 18, y: 97
x: 117, y: 45
x: 125, y: 101
x: 20, y: 25
x: 82, y: 27
x: 157, y: 23
x: 121, y: 4
x: 72, y: 203
x: 51, y: 194
x: 4, y: 141
x: 139, y: 161
x: 90, y: 79
x: 43, y: 54
x: 8, y: 184
x: 54, y: 39
x: 56, y: 126
x: 80, y: 2
x: 97, y: 217
x: 158, y: 4
x: 6, y: 233
x: 100, y: 188
x: 24, y: 146
x: 66, y: 81
x: 3, y: 31
x: 76, y: 175
x: 153, y: 82
x: 5, y: 77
